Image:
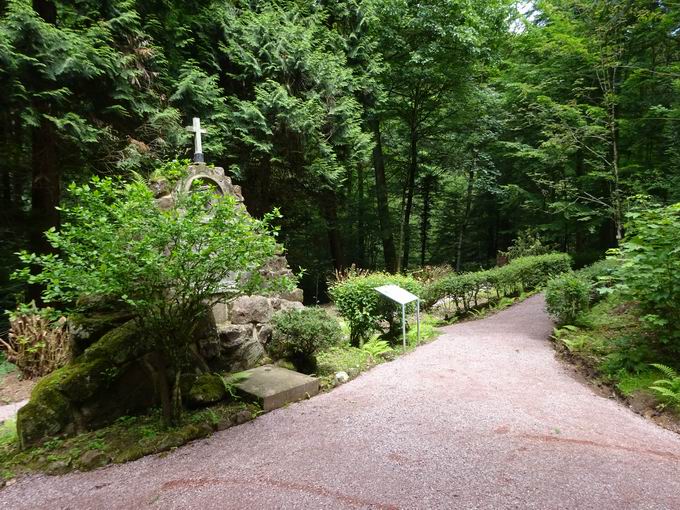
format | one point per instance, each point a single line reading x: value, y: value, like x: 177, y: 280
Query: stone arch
x: 213, y: 175
x: 204, y: 178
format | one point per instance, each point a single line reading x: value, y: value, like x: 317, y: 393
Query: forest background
x: 392, y: 134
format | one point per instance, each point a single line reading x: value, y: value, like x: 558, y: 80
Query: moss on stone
x: 82, y: 381
x: 207, y: 389
x: 88, y: 329
x: 51, y: 409
x: 48, y: 412
x: 119, y: 345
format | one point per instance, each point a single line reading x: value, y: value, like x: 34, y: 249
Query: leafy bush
x: 299, y: 334
x: 668, y: 389
x: 535, y: 271
x: 164, y: 266
x: 566, y: 297
x: 527, y: 244
x: 462, y: 289
x: 363, y: 308
x: 649, y: 269
x: 600, y: 276
x: 37, y: 342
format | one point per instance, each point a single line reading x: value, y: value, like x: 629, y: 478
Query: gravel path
x: 10, y: 410
x: 484, y: 417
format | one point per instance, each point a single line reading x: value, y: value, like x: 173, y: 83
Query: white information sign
x: 396, y: 293
x: 403, y: 297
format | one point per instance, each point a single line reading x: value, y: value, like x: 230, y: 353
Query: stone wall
x: 242, y: 330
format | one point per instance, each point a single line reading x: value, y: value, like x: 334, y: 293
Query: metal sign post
x: 403, y: 297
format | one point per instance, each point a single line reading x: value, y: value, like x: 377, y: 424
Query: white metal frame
x: 402, y: 297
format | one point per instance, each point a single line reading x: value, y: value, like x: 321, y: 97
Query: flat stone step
x: 273, y: 387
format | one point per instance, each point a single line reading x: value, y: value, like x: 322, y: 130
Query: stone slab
x: 273, y: 387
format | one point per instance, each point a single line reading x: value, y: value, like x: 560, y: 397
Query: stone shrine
x: 239, y: 329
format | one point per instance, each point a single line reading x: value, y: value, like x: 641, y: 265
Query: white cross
x: 198, y: 147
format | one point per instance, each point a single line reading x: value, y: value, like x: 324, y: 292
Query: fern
x: 376, y: 348
x: 668, y: 389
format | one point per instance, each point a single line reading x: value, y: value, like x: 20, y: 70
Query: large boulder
x: 251, y: 309
x: 112, y: 378
x: 239, y: 347
x: 85, y: 330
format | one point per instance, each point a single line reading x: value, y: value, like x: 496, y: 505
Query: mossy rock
x: 88, y: 329
x: 207, y: 389
x: 48, y: 413
x: 118, y: 346
x: 82, y: 381
x: 57, y: 401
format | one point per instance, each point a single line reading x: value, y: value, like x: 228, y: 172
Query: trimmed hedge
x: 522, y: 274
x: 363, y: 308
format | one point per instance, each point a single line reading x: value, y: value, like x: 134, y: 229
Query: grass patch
x: 354, y: 360
x: 628, y: 383
x: 8, y: 433
x: 429, y: 325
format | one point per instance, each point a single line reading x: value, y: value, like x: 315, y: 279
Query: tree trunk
x: 410, y: 187
x: 330, y: 212
x: 466, y: 217
x: 386, y: 233
x: 425, y: 219
x: 361, y: 220
x: 616, y: 192
x: 45, y: 183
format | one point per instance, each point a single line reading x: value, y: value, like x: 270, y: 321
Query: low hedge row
x: 522, y: 274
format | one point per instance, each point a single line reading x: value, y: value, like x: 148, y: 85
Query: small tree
x: 166, y: 266
x: 648, y: 269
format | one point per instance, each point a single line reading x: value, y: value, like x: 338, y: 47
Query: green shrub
x: 528, y: 243
x: 363, y: 308
x: 600, y: 276
x: 463, y: 289
x: 535, y: 271
x: 299, y: 334
x: 567, y: 297
x: 648, y: 269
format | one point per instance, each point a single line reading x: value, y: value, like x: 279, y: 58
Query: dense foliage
x: 649, y: 269
x: 391, y: 134
x: 298, y: 334
x: 567, y: 297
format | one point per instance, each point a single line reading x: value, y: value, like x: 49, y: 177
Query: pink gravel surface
x: 484, y: 417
